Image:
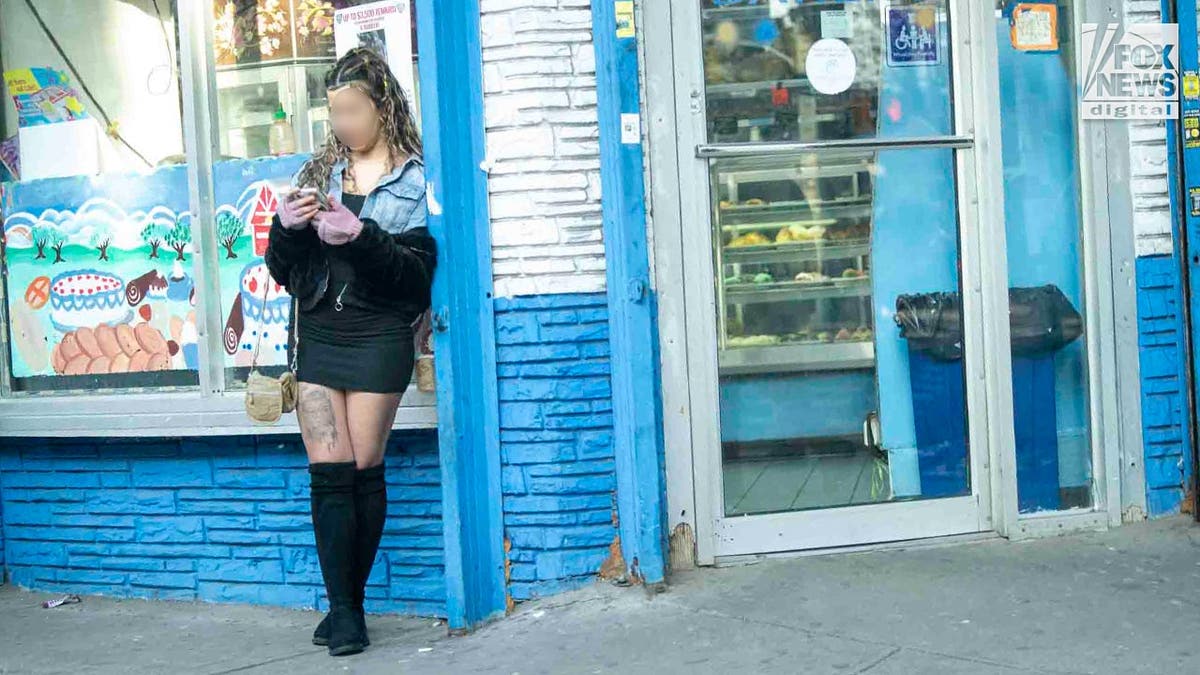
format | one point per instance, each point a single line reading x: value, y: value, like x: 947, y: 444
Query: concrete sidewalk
x: 1126, y: 601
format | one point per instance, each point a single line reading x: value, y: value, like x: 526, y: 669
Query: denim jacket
x: 394, y: 256
x: 397, y: 203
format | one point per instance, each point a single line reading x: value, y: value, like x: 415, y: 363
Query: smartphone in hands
x: 322, y: 198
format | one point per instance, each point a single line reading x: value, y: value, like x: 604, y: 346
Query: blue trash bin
x: 1043, y: 322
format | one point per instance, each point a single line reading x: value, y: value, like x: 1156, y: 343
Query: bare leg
x: 323, y: 426
x: 369, y: 420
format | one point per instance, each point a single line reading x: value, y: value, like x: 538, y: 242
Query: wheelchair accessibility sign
x: 913, y: 33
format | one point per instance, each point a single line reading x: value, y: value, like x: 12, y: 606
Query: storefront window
x: 839, y: 319
x: 814, y: 257
x: 1043, y: 217
x: 272, y: 56
x: 813, y: 71
x: 98, y: 234
x: 271, y: 59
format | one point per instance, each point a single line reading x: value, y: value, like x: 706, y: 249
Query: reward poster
x: 386, y: 28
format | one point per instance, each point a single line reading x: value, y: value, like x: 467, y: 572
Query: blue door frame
x: 465, y: 329
x: 1183, y: 170
x: 633, y: 328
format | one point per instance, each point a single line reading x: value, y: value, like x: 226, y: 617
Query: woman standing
x: 359, y: 264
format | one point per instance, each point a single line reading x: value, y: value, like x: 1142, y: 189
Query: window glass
x: 1043, y: 219
x: 98, y: 236
x: 815, y: 71
x: 271, y: 59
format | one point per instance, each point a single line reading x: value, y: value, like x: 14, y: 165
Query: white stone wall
x: 543, y: 146
x: 1148, y: 162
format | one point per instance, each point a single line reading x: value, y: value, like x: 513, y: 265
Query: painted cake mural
x: 99, y: 270
x: 254, y: 307
x: 98, y: 274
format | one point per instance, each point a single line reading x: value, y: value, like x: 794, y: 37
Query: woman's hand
x: 296, y: 211
x: 338, y: 225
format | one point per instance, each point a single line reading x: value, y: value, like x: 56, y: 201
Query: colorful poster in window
x: 385, y: 27
x: 99, y: 275
x: 1034, y: 27
x: 253, y: 307
x: 913, y: 35
x: 42, y: 96
x: 252, y: 31
x: 313, y: 28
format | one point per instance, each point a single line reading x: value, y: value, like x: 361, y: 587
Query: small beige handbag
x: 268, y: 398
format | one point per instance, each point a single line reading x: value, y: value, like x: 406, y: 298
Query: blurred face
x: 354, y: 117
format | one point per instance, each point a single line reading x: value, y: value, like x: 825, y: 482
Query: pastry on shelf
x: 864, y: 334
x: 749, y: 239
x: 764, y: 278
x: 810, y: 277
x: 824, y: 336
x: 844, y: 335
x: 853, y: 274
x: 754, y: 202
x: 736, y: 279
x: 754, y: 341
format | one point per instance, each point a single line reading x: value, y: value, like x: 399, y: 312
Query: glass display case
x: 249, y: 96
x: 756, y: 71
x: 793, y: 257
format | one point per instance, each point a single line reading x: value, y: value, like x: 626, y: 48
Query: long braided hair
x: 366, y: 71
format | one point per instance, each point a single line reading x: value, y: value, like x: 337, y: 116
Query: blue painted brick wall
x: 3, y: 574
x: 1164, y: 384
x: 556, y: 440
x: 216, y: 519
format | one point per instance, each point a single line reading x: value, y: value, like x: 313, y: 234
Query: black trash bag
x: 1041, y: 321
x: 932, y: 324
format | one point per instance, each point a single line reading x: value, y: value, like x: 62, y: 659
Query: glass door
x: 827, y: 188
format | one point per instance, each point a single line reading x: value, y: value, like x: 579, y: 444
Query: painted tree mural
x: 229, y: 229
x: 153, y: 235
x: 101, y: 239
x: 180, y: 236
x: 47, y: 235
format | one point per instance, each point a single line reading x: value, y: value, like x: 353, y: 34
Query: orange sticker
x: 1034, y: 27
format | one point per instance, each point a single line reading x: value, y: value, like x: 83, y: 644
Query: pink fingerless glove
x: 338, y: 225
x: 288, y: 217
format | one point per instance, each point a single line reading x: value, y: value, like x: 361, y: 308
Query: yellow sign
x: 625, y: 25
x: 1191, y: 130
x: 1191, y: 85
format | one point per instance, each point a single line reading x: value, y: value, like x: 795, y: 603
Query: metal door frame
x: 718, y: 536
x: 675, y: 108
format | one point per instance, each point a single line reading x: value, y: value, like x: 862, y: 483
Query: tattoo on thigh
x: 318, y: 416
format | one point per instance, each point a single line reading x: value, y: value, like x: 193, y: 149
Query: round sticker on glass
x: 831, y: 66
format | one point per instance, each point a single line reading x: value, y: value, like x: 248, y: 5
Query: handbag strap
x: 258, y: 342
x: 294, y: 311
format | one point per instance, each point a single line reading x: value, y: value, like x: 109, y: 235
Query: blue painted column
x: 637, y: 399
x: 465, y: 327
x: 1185, y: 160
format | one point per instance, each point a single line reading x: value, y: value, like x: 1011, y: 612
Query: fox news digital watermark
x: 1129, y: 72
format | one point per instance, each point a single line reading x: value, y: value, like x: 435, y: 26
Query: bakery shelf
x: 786, y: 358
x: 797, y: 252
x: 753, y: 174
x: 743, y: 214
x: 750, y: 227
x: 747, y: 89
x: 790, y: 291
